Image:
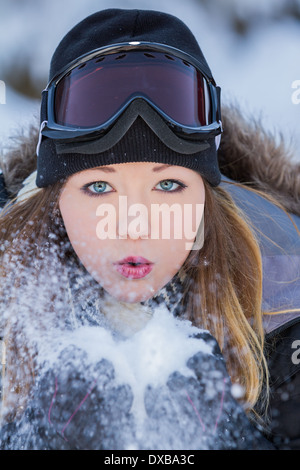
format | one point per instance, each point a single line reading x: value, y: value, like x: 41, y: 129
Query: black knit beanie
x: 140, y: 142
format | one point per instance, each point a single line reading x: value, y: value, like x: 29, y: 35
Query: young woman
x: 142, y: 269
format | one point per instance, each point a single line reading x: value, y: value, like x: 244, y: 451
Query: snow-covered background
x: 252, y: 46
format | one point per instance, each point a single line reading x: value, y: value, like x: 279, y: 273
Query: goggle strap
x: 43, y: 112
x: 218, y: 90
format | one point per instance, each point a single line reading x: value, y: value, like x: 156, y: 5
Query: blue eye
x: 99, y: 187
x: 171, y: 185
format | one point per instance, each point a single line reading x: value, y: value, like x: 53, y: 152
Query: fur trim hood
x: 247, y: 154
x: 250, y: 155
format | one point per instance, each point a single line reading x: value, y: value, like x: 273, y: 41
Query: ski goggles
x: 90, y: 94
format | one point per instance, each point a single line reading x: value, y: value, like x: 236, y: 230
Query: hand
x: 83, y: 407
x: 198, y: 411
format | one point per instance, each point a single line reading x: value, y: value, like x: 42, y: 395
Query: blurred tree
x: 20, y: 79
x: 241, y: 16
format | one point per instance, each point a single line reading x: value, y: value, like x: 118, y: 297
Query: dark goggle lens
x: 93, y: 92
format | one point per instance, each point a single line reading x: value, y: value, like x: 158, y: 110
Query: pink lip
x: 125, y: 267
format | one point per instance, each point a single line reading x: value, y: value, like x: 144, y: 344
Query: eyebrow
x: 160, y: 168
x: 107, y: 169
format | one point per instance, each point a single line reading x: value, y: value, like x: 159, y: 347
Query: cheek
x: 81, y: 220
x: 173, y: 254
x: 181, y: 227
x: 80, y: 223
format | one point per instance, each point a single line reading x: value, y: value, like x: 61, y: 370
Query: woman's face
x: 132, y: 225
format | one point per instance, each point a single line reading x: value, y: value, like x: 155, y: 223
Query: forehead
x: 131, y: 166
x: 132, y: 169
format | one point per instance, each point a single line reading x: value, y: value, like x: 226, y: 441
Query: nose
x: 133, y: 218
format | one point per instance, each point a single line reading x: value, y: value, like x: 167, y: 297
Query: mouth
x: 134, y: 267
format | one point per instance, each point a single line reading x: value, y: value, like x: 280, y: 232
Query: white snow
x: 148, y: 357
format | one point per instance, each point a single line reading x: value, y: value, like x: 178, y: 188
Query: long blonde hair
x: 225, y: 292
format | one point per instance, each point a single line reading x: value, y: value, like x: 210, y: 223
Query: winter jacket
x: 280, y: 247
x: 248, y: 155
